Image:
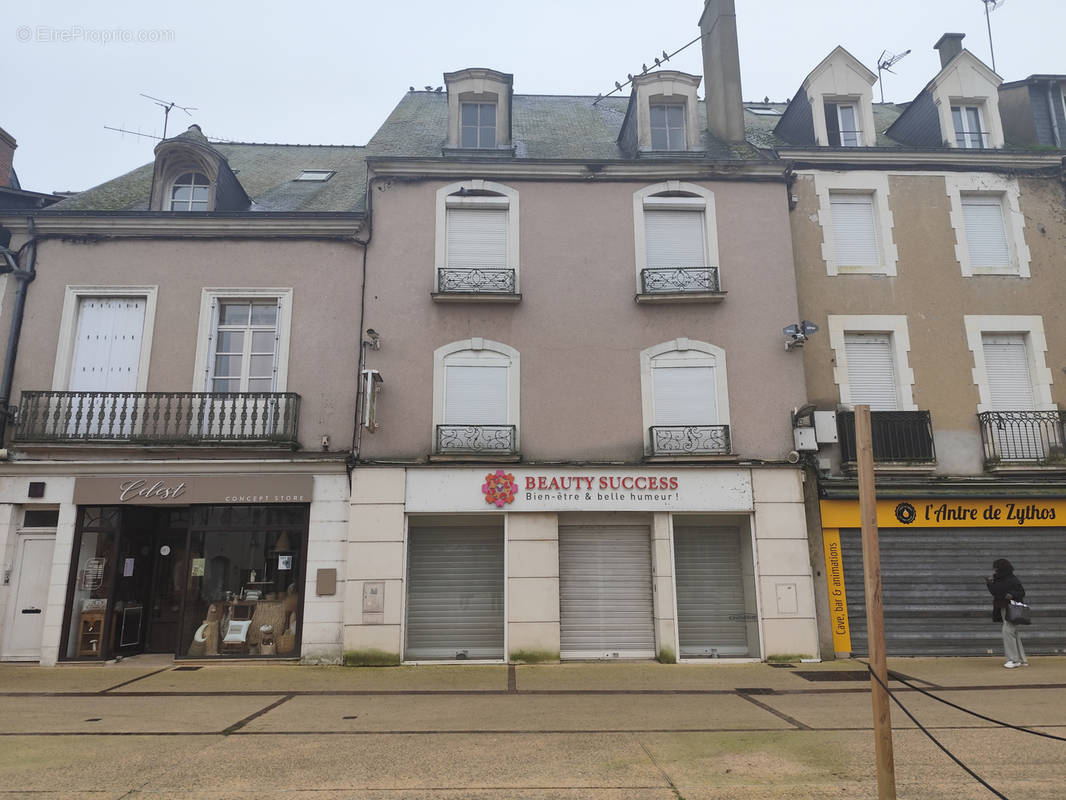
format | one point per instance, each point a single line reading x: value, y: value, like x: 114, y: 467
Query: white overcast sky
x: 313, y: 72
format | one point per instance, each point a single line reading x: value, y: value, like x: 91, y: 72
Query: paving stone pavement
x: 146, y: 729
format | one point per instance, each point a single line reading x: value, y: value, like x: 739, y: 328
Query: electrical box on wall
x: 825, y: 427
x: 805, y: 440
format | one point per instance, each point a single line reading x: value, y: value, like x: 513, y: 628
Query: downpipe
x: 28, y: 254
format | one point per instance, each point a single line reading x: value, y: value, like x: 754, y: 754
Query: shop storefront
x: 458, y: 563
x: 191, y: 567
x: 935, y: 553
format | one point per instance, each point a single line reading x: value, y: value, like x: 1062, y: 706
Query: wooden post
x: 875, y: 623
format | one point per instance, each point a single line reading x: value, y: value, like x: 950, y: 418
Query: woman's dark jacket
x: 1003, y: 583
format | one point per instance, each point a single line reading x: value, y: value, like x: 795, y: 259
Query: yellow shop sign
x: 948, y: 513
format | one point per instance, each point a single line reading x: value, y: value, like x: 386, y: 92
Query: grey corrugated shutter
x: 684, y: 396
x: 475, y: 395
x: 986, y: 236
x: 477, y: 237
x: 1010, y: 386
x: 605, y: 592
x: 934, y: 595
x: 855, y: 230
x: 675, y: 238
x: 454, y: 593
x: 872, y: 370
x: 711, y: 608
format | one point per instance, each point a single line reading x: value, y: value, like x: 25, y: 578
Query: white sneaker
x: 1012, y: 664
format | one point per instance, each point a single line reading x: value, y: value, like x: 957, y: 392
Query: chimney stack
x: 949, y: 45
x: 7, y: 158
x: 721, y: 70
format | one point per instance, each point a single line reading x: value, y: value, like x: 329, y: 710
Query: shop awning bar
x: 190, y: 418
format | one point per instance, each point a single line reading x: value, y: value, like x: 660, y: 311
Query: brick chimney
x: 949, y: 45
x: 7, y: 158
x: 721, y: 70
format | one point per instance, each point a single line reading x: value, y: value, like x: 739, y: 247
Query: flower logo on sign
x: 499, y: 488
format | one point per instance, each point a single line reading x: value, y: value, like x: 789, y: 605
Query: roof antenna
x: 659, y: 61
x: 885, y: 62
x: 167, y: 105
x: 991, y: 5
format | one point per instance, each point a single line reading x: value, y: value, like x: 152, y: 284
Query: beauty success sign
x: 529, y: 489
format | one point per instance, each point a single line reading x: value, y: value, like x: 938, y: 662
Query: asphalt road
x: 150, y: 729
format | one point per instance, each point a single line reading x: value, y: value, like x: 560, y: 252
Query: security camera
x: 375, y: 339
x: 797, y: 333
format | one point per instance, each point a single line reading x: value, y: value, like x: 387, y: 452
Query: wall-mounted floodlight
x: 797, y: 333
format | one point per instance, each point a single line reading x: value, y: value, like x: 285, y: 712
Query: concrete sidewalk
x: 150, y: 728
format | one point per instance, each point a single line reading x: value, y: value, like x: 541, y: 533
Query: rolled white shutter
x: 675, y: 238
x: 605, y: 592
x: 454, y: 593
x: 1010, y: 385
x: 475, y: 395
x: 477, y: 237
x: 872, y: 370
x: 685, y: 396
x: 855, y: 230
x: 986, y: 236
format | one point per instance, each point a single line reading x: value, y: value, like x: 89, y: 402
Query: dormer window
x: 969, y: 132
x: 477, y: 125
x: 668, y: 126
x: 842, y: 124
x: 190, y: 192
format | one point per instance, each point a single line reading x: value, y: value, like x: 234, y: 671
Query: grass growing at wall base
x: 371, y: 658
x: 667, y: 655
x: 533, y: 656
x: 786, y: 658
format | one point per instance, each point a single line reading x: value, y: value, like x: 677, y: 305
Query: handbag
x: 1018, y: 613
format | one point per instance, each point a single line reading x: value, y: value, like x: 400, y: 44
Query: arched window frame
x: 477, y: 351
x: 691, y: 353
x: 483, y: 194
x: 674, y: 195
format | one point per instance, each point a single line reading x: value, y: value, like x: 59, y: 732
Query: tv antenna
x: 990, y: 6
x: 885, y: 63
x: 657, y: 62
x: 167, y: 106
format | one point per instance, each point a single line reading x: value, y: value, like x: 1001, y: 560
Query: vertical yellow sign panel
x: 838, y: 599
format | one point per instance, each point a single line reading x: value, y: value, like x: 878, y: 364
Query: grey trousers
x: 1012, y: 642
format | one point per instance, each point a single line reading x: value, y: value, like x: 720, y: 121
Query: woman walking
x: 1004, y: 587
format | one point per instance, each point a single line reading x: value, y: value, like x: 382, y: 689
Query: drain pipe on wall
x: 25, y: 278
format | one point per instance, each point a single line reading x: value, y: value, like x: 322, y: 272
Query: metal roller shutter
x: 986, y: 236
x: 454, y: 593
x: 675, y: 238
x: 711, y: 617
x: 855, y: 230
x: 605, y: 592
x: 871, y: 370
x: 477, y: 237
x: 934, y: 592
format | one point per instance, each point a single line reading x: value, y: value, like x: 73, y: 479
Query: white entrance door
x: 33, y: 564
x: 107, y: 354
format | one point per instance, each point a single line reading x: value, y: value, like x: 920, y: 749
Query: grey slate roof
x: 760, y: 128
x: 265, y: 171
x: 544, y: 127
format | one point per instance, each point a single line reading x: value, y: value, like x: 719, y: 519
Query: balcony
x: 477, y: 284
x: 478, y: 440
x: 1023, y: 438
x: 173, y: 418
x: 898, y: 436
x: 681, y: 441
x: 680, y: 285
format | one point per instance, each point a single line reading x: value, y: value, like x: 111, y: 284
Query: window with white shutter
x: 872, y: 370
x: 986, y: 235
x: 675, y: 238
x: 475, y: 397
x: 685, y: 395
x: 685, y: 399
x: 677, y: 244
x: 476, y: 244
x: 477, y: 237
x: 1010, y: 384
x: 855, y: 230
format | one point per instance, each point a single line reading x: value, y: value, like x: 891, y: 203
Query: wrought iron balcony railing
x: 1023, y: 437
x: 475, y: 439
x: 477, y: 280
x: 190, y: 418
x: 679, y: 279
x: 690, y: 440
x: 897, y: 436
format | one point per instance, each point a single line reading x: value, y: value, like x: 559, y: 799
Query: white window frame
x: 1032, y: 328
x: 209, y: 298
x: 893, y: 325
x: 693, y: 353
x: 698, y: 199
x: 173, y: 184
x: 477, y: 352
x: 867, y: 183
x: 855, y: 104
x: 670, y: 139
x: 494, y: 105
x: 1013, y: 221
x: 68, y: 321
x: 449, y: 197
x: 968, y: 135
